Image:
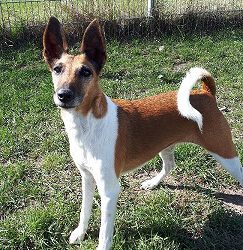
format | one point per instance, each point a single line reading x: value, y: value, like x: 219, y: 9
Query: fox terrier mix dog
x: 109, y: 137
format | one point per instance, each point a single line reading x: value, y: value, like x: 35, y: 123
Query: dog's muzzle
x: 65, y: 95
x: 65, y: 98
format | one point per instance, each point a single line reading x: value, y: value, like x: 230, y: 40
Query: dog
x: 109, y: 137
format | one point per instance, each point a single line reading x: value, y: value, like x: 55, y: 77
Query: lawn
x: 198, y: 207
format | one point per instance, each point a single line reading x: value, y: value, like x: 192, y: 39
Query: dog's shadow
x: 234, y: 199
x: 223, y: 228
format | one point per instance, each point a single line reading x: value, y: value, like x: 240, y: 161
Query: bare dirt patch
x: 179, y: 65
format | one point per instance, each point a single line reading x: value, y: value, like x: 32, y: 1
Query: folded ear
x: 93, y: 45
x: 54, y: 41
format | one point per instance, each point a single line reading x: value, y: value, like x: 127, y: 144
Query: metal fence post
x: 2, y: 19
x: 150, y: 8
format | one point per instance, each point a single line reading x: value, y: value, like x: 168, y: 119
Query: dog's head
x: 75, y: 77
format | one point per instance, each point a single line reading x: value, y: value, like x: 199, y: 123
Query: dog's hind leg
x: 217, y: 139
x: 232, y: 165
x: 88, y: 188
x: 167, y: 156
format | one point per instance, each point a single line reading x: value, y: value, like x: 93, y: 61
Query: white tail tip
x: 183, y: 102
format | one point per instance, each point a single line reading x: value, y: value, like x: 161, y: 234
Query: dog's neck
x: 85, y: 124
x: 74, y: 120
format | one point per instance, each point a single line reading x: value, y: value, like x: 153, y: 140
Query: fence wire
x: 20, y: 19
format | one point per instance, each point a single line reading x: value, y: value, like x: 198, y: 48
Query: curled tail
x: 184, y: 106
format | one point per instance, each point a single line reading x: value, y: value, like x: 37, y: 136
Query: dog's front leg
x: 109, y: 190
x: 88, y: 188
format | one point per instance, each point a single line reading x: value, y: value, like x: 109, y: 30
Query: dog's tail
x: 184, y: 106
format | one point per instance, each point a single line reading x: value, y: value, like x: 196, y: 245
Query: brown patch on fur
x: 99, y: 108
x: 209, y: 85
x: 149, y: 125
x: 94, y: 100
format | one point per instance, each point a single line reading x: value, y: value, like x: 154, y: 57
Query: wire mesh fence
x: 31, y: 12
x: 22, y: 19
x: 181, y: 7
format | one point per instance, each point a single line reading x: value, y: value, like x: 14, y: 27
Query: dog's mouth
x: 65, y: 106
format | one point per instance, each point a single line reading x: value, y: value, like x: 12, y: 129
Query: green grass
x: 40, y: 191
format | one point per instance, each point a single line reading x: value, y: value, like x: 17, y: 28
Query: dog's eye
x: 84, y: 72
x: 57, y: 69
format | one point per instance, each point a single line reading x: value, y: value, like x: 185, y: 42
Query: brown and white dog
x: 109, y: 137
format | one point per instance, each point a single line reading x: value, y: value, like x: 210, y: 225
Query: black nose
x: 65, y: 95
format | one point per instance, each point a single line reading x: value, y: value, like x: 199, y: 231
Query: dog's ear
x: 93, y: 45
x: 54, y: 41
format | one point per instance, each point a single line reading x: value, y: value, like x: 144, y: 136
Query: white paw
x: 149, y: 184
x: 104, y: 247
x: 76, y: 236
x: 241, y: 182
x: 105, y: 243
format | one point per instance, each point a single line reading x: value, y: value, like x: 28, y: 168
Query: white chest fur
x: 92, y: 141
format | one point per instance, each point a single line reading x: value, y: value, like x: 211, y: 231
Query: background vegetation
x: 22, y: 20
x: 198, y: 207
